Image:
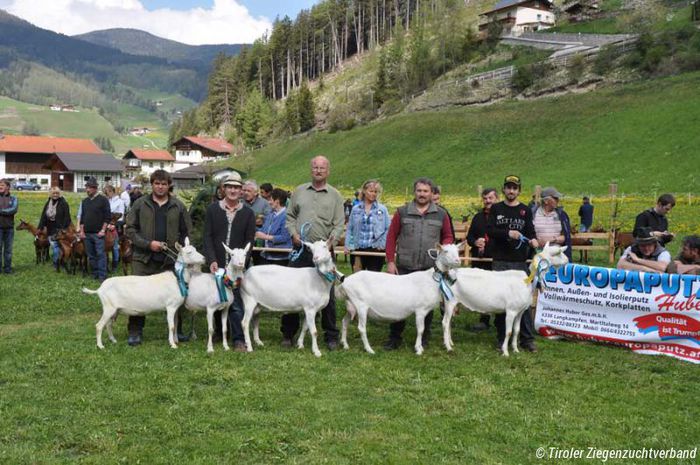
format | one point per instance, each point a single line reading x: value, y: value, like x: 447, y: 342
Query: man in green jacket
x: 153, y: 222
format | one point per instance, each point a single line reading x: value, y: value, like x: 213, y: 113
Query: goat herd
x: 72, y: 253
x: 368, y: 294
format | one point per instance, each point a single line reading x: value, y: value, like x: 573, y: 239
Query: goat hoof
x: 317, y: 354
x: 370, y: 351
x: 260, y: 343
x: 101, y: 347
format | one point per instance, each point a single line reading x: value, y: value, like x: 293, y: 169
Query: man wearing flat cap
x: 94, y: 217
x: 551, y: 222
x: 646, y: 254
x: 512, y: 236
x: 229, y: 221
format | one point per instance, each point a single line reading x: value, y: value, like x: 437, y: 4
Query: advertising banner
x: 649, y: 313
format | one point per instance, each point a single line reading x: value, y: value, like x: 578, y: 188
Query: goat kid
x: 389, y: 297
x: 204, y: 294
x: 289, y: 290
x: 501, y: 291
x: 141, y: 295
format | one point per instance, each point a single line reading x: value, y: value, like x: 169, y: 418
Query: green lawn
x: 63, y: 401
x: 642, y: 136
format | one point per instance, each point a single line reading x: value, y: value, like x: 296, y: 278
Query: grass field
x: 63, y: 401
x: 642, y: 136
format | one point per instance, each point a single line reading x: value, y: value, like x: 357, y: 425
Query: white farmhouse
x: 518, y: 16
x: 190, y: 151
x: 147, y: 161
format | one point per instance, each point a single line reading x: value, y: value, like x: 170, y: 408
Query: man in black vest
x: 415, y: 228
x: 512, y: 238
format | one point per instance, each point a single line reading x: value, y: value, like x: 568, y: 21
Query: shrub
x: 605, y: 60
x: 575, y: 69
x: 523, y: 78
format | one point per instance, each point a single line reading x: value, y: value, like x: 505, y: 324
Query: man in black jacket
x: 95, y: 215
x: 478, y: 240
x: 655, y: 219
x: 512, y: 236
x: 229, y: 221
x: 154, y: 222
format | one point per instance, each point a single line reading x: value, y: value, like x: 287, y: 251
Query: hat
x: 91, y: 182
x: 644, y: 236
x: 512, y: 179
x: 233, y: 179
x: 551, y: 192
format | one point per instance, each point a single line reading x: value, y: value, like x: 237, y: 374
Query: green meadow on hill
x: 642, y: 136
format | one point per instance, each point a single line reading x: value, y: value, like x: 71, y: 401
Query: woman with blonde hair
x: 368, y: 225
x: 54, y: 217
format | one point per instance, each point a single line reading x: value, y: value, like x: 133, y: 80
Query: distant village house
x: 139, y: 131
x: 139, y: 161
x: 23, y: 158
x: 70, y: 171
x: 190, y: 151
x: 518, y: 16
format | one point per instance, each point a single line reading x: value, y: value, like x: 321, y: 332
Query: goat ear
x: 330, y: 241
x: 178, y: 247
x: 247, y: 247
x: 438, y: 247
x: 307, y: 244
x: 227, y: 249
x: 461, y: 245
x: 562, y: 249
x: 187, y: 241
x: 546, y: 246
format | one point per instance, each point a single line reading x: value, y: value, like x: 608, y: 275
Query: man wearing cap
x: 512, y: 234
x: 154, y: 222
x: 551, y: 222
x: 228, y: 221
x: 646, y: 254
x: 315, y: 213
x: 94, y: 216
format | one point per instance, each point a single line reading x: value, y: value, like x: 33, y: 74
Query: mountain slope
x: 137, y: 42
x: 642, y: 136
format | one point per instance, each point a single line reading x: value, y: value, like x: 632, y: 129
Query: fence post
x: 611, y: 234
x: 538, y: 194
x: 479, y: 189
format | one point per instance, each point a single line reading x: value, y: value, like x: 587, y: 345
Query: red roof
x: 41, y: 144
x: 211, y: 143
x: 159, y: 155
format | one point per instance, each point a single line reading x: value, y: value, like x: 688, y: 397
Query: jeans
x: 115, y: 252
x: 527, y: 326
x: 583, y: 228
x: 56, y: 250
x: 7, y: 236
x: 95, y: 246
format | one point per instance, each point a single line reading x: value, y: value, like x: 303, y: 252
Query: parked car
x: 25, y: 186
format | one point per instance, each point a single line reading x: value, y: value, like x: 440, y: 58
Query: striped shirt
x: 366, y: 235
x: 547, y: 225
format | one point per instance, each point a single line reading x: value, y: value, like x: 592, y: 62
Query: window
x: 108, y: 178
x: 44, y: 182
x: 85, y: 178
x: 539, y: 17
x: 162, y: 165
x: 150, y: 164
x: 34, y: 180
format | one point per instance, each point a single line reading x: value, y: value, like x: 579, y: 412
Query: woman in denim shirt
x: 274, y: 231
x: 367, y: 227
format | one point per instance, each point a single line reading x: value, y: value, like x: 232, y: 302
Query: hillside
x: 642, y: 136
x: 136, y: 42
x: 17, y: 117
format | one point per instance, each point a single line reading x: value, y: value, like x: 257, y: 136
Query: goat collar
x: 444, y: 283
x: 538, y: 267
x: 331, y: 276
x: 179, y: 271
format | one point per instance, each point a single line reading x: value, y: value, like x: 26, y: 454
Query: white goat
x: 204, y: 294
x: 141, y: 295
x: 389, y: 297
x: 501, y: 291
x: 289, y: 290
